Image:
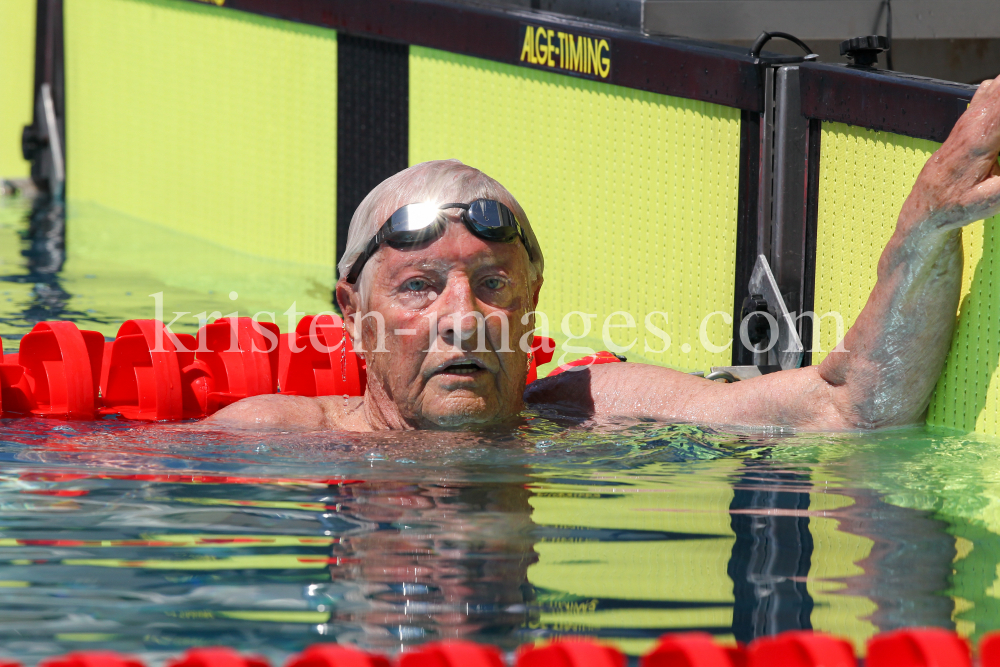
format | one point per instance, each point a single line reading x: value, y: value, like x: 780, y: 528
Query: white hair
x: 438, y: 181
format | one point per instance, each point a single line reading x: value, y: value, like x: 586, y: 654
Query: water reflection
x: 153, y: 539
x: 41, y: 236
x: 445, y: 560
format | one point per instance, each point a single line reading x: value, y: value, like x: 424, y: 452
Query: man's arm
x: 892, y: 355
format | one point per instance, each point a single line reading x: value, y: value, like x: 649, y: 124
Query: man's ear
x: 350, y: 305
x: 537, y: 291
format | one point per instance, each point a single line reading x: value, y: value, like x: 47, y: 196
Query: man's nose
x: 456, y: 311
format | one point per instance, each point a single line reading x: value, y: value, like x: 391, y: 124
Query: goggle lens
x: 414, y: 224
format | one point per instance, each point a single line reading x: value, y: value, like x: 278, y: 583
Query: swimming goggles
x: 414, y: 224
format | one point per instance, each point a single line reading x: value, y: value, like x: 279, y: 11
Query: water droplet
x: 544, y: 443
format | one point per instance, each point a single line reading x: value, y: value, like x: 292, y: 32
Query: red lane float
x: 989, y: 650
x: 143, y: 377
x: 452, y: 654
x: 317, y: 359
x: 241, y: 360
x: 693, y: 649
x: 333, y: 655
x: 596, y: 359
x: 930, y: 647
x: 92, y: 659
x: 924, y: 647
x: 58, y: 374
x: 572, y: 653
x: 800, y: 648
x: 542, y: 349
x: 217, y: 656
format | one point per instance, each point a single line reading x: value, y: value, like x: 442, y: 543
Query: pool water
x: 150, y: 539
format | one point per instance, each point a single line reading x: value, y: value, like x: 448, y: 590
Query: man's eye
x: 415, y: 285
x: 494, y: 283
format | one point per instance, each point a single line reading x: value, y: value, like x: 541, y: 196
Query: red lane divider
x: 152, y: 375
x: 601, y: 357
x: 217, y: 656
x: 989, y: 650
x: 319, y: 360
x: 241, y: 356
x: 542, y: 350
x: 181, y: 478
x: 54, y: 373
x: 923, y: 647
x: 332, y: 655
x: 926, y: 647
x: 452, y: 654
x: 572, y: 653
x: 800, y: 648
x: 149, y: 373
x: 693, y: 649
x: 92, y: 659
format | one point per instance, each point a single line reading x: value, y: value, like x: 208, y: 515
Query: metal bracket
x: 787, y: 351
x: 53, y: 166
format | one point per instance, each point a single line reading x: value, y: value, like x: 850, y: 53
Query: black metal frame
x: 373, y: 124
x: 881, y: 100
x: 670, y: 66
x: 747, y: 214
x: 49, y: 69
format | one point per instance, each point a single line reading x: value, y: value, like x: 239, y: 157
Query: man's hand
x: 961, y: 182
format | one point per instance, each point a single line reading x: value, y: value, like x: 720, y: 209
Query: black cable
x: 766, y: 36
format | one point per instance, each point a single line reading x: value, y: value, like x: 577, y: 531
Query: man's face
x: 453, y: 312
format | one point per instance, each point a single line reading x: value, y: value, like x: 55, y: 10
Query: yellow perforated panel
x: 633, y: 195
x: 967, y: 396
x: 864, y: 178
x: 207, y: 121
x: 17, y: 71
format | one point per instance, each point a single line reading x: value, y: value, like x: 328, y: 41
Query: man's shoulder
x: 278, y: 412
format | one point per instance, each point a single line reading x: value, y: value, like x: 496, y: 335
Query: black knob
x: 758, y: 326
x: 31, y: 143
x: 863, y: 51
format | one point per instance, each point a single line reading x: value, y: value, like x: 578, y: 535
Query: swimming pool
x: 150, y: 539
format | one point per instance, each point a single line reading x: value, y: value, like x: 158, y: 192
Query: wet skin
x: 884, y: 376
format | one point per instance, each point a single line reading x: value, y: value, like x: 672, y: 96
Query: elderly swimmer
x: 441, y: 252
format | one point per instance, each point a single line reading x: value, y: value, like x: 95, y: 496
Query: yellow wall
x: 864, y: 178
x: 17, y: 72
x: 633, y: 195
x: 206, y: 121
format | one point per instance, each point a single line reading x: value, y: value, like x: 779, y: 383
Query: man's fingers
x: 977, y: 133
x: 982, y: 93
x: 983, y: 200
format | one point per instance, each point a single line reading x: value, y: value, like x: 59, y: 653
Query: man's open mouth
x: 462, y: 367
